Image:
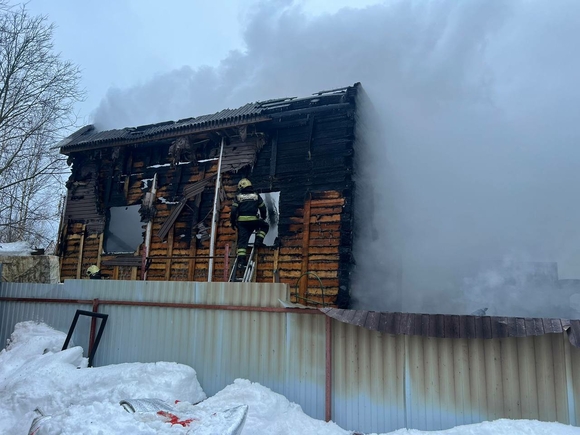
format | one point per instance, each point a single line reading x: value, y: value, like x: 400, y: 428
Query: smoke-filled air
x: 468, y: 141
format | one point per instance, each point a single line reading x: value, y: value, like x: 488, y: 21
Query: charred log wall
x: 310, y: 161
x: 308, y: 158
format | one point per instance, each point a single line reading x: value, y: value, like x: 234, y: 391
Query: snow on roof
x: 15, y: 249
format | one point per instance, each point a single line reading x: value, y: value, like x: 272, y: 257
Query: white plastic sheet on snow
x: 35, y: 373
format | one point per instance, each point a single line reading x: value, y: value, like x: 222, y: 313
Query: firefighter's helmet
x: 92, y: 270
x: 244, y: 182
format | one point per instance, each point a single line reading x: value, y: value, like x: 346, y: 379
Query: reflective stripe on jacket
x: 246, y: 206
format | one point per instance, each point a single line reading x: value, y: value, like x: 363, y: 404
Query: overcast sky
x: 124, y: 43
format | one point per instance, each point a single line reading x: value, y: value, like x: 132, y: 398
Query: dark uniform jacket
x: 246, y: 206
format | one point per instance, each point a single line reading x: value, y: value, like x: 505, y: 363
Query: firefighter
x: 248, y: 214
x: 93, y: 272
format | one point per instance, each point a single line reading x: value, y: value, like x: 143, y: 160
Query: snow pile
x: 34, y: 373
x: 501, y: 427
x: 15, y: 249
x: 269, y: 412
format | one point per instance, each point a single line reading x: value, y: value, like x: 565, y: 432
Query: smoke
x: 467, y: 144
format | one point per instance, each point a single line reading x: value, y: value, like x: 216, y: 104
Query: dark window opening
x: 124, y: 231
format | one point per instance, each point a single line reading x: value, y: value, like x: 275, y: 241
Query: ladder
x: 248, y: 270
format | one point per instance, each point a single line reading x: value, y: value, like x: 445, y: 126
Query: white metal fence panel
x: 368, y: 379
x: 384, y: 382
x: 380, y: 382
x: 59, y: 316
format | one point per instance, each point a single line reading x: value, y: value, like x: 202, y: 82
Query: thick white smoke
x: 473, y: 150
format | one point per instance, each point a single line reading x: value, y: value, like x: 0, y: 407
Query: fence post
x: 93, y: 326
x: 328, y: 389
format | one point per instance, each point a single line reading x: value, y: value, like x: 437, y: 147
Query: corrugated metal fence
x: 380, y: 382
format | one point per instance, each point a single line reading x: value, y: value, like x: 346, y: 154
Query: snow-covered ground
x: 34, y: 373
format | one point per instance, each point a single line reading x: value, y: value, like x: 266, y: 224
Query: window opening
x: 124, y: 230
x: 272, y: 201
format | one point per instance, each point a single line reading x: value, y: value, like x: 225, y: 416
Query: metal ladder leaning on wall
x: 248, y: 271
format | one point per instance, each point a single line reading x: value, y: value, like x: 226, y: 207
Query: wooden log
x: 192, y: 261
x: 100, y: 249
x: 328, y: 194
x: 81, y: 247
x: 170, y: 236
x: 336, y: 202
x: 275, y: 272
x: 321, y: 211
x: 322, y: 218
x: 305, y: 244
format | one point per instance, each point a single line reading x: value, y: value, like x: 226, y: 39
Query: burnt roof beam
x: 161, y: 136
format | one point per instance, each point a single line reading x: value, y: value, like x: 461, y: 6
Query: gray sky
x: 123, y: 43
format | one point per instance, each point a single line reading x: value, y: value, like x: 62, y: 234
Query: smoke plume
x: 467, y: 152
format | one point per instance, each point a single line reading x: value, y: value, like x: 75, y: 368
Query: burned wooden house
x: 141, y: 201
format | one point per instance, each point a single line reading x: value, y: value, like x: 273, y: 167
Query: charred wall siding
x: 308, y: 158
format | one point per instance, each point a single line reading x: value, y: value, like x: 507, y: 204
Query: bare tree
x: 38, y: 91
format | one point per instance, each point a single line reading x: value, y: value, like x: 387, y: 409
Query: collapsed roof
x: 89, y: 137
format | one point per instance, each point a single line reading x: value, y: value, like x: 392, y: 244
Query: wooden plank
x: 325, y: 218
x: 275, y: 273
x: 192, y: 261
x: 193, y: 244
x: 81, y: 247
x: 116, y: 272
x: 311, y: 135
x: 273, y: 156
x: 315, y: 211
x: 133, y: 273
x: 128, y: 176
x: 101, y: 238
x: 170, y: 236
x: 305, y: 246
x: 319, y: 203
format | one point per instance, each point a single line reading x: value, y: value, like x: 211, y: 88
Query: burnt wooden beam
x: 134, y: 273
x: 310, y: 134
x: 191, y: 265
x: 108, y: 185
x: 100, y: 249
x: 333, y: 107
x: 274, y: 155
x: 169, y: 254
x: 81, y: 248
x: 128, y: 174
x: 275, y: 271
x: 305, y: 247
x: 176, y: 180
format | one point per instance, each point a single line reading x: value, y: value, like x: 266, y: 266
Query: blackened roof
x: 456, y: 326
x: 88, y: 137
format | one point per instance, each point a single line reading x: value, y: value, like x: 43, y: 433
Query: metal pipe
x: 215, y: 216
x: 167, y: 305
x: 148, y: 232
x: 328, y: 387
